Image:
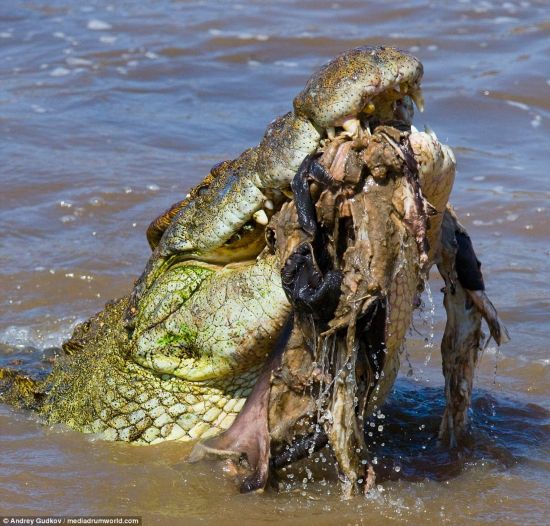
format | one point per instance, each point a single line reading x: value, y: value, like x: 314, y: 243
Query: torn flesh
x: 374, y: 225
x: 368, y: 230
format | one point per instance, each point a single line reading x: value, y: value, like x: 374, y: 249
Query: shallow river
x: 110, y: 111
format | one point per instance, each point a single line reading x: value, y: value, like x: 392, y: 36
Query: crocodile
x: 178, y: 357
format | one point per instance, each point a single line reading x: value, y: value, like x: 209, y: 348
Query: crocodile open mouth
x: 223, y: 220
x: 393, y: 106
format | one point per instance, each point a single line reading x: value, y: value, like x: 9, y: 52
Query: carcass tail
x: 466, y: 303
x: 483, y: 304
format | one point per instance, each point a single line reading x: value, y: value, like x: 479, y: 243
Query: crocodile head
x: 209, y: 305
x: 223, y: 219
x: 220, y: 226
x: 219, y: 219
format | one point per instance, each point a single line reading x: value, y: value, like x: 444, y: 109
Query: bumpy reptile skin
x: 345, y: 85
x: 98, y: 389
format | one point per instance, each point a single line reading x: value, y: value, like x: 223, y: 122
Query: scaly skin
x: 108, y: 386
x: 177, y: 359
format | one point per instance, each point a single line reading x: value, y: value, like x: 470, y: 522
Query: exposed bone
x: 338, y: 165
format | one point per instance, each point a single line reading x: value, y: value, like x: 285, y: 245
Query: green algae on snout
x: 186, y: 337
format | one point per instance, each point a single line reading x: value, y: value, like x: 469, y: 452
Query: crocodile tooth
x: 331, y: 133
x: 260, y: 217
x: 366, y: 130
x: 418, y: 98
x: 414, y: 129
x: 351, y: 126
x: 269, y: 204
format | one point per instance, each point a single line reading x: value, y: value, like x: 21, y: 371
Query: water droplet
x: 429, y: 322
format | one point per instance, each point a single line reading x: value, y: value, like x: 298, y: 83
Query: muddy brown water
x: 109, y: 111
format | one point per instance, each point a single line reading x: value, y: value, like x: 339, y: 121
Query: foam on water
x: 99, y: 25
x: 37, y: 337
x: 59, y: 72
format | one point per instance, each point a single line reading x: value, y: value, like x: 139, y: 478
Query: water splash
x: 428, y: 322
x: 497, y: 358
